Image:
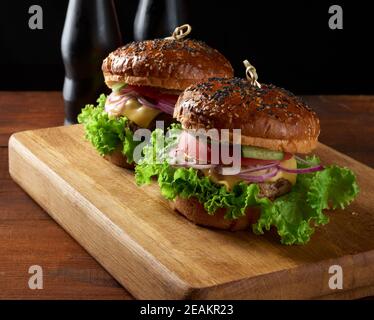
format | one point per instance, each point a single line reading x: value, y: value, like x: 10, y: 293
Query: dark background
x: 290, y: 43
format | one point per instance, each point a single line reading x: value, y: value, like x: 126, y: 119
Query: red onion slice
x: 165, y: 107
x: 193, y: 165
x: 162, y: 106
x: 144, y: 101
x: 262, y: 178
x: 110, y: 102
x: 125, y: 90
x: 259, y: 168
x: 219, y: 169
x: 302, y: 170
x: 124, y: 99
x: 112, y: 99
x: 115, y: 99
x: 175, y: 153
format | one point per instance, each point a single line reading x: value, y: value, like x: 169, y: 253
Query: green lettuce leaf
x: 107, y: 133
x: 293, y: 215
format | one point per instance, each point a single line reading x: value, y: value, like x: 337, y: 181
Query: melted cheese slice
x: 230, y: 181
x: 136, y: 112
x: 287, y: 164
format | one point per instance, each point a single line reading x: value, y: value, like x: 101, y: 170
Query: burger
x: 146, y: 79
x: 277, y: 185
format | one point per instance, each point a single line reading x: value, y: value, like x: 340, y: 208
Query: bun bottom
x: 194, y: 211
x: 119, y: 159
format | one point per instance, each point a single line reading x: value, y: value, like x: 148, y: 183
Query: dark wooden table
x: 28, y: 236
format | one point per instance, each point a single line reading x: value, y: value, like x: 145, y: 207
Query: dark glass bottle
x: 158, y: 18
x: 90, y: 32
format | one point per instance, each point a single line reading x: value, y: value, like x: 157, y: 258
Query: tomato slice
x: 194, y: 148
x: 201, y: 151
x: 154, y: 94
x: 287, y: 156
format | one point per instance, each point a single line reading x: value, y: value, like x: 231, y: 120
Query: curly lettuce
x: 107, y: 133
x: 294, y: 215
x: 297, y: 213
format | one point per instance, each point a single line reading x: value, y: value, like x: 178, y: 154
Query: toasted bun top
x: 165, y: 63
x: 269, y: 117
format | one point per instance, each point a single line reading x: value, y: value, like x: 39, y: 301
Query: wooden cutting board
x: 157, y: 254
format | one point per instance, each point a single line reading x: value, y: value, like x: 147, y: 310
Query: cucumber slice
x: 261, y: 153
x: 118, y: 86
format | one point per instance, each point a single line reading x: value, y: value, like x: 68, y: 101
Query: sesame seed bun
x: 269, y: 117
x: 165, y: 63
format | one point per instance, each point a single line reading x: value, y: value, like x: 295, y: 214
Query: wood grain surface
x: 157, y: 254
x: 28, y: 235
